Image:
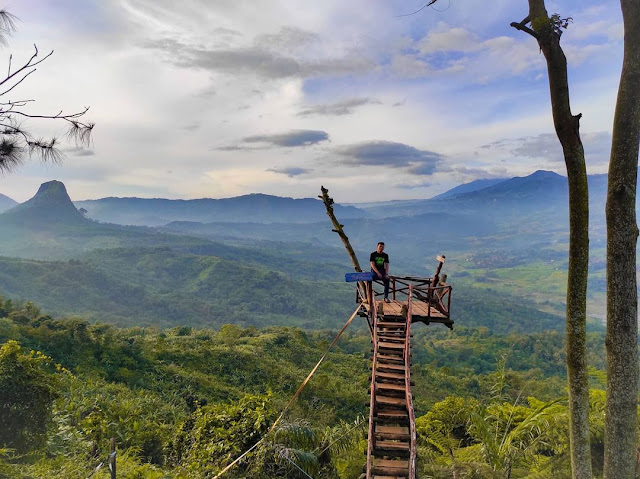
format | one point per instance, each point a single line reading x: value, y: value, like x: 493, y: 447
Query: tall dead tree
x: 622, y: 234
x: 338, y: 228
x: 547, y: 31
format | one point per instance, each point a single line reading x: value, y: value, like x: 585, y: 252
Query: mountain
x: 258, y: 208
x: 537, y: 185
x: 515, y: 198
x: 6, y: 203
x: 48, y: 226
x: 469, y: 187
x: 51, y: 204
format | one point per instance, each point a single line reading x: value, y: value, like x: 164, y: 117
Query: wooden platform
x: 422, y: 311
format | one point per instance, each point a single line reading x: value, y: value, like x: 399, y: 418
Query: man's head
x: 380, y: 247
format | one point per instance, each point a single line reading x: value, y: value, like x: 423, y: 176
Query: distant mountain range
x: 254, y: 208
x: 510, y: 210
x: 540, y: 191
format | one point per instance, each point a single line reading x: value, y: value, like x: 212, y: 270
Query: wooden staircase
x: 391, y: 452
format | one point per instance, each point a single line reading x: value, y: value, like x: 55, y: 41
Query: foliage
x: 138, y: 286
x: 215, y: 435
x: 167, y: 393
x: 28, y: 387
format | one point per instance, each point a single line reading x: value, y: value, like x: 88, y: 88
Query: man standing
x: 380, y: 268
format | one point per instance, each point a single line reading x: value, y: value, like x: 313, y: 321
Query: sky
x: 221, y: 98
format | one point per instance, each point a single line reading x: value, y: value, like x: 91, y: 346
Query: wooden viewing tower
x: 392, y: 438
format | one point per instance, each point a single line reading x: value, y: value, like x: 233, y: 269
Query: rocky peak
x: 50, y: 204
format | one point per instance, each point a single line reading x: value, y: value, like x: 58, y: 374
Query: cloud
x: 77, y: 151
x: 414, y: 186
x: 466, y: 174
x: 456, y: 50
x: 274, y: 56
x: 290, y: 139
x: 291, y: 171
x: 392, y: 154
x: 192, y: 126
x: 546, y: 146
x: 410, y: 66
x: 288, y: 39
x: 344, y: 107
x: 448, y: 40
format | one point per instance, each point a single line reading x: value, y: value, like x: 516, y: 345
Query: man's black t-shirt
x: 379, y: 259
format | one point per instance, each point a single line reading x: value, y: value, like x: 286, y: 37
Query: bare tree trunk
x: 338, y: 228
x: 547, y: 32
x: 622, y: 234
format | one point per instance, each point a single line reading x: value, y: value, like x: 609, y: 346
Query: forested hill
x: 147, y: 286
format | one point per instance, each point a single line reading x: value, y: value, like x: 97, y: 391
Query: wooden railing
x: 401, y: 287
x: 372, y: 400
x: 408, y: 397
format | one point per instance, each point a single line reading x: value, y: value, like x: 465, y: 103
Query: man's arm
x: 373, y: 267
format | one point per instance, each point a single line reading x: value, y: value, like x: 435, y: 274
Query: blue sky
x: 223, y: 98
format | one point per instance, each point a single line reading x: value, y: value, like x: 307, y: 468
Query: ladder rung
x: 390, y: 387
x: 391, y: 401
x: 392, y: 445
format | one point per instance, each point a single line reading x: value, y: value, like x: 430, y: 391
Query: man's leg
x: 386, y: 287
x: 384, y: 281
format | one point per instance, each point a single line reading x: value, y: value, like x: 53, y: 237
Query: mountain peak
x: 51, y: 204
x: 543, y: 174
x: 53, y: 191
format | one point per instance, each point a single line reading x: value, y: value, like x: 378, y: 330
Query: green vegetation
x: 166, y: 287
x: 183, y: 402
x: 162, y: 287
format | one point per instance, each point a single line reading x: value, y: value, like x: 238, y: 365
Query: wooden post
x: 112, y: 458
x: 436, y: 277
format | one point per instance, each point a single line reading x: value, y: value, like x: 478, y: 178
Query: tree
x: 622, y: 234
x: 27, y: 391
x: 498, y: 439
x: 547, y: 31
x: 17, y: 144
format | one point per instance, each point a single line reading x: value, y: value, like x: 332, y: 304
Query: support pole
x: 112, y: 458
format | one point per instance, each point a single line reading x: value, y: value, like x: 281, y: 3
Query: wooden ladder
x: 392, y: 445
